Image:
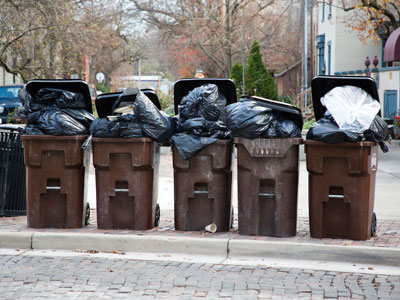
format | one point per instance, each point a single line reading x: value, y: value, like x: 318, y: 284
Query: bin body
x: 202, y: 188
x: 126, y: 182
x: 12, y: 175
x: 268, y: 174
x: 341, y: 188
x: 54, y: 181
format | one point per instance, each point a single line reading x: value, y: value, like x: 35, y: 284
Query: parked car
x: 9, y: 102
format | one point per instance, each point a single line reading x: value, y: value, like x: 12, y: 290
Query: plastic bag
x: 189, y: 145
x: 58, y: 122
x: 61, y: 98
x: 205, y: 101
x: 377, y: 132
x: 281, y: 128
x: 326, y: 130
x: 125, y: 126
x: 352, y: 108
x: 155, y: 123
x: 122, y: 126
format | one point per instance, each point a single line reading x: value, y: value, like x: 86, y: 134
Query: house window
x: 321, y: 54
x: 329, y: 57
x: 323, y: 11
x: 330, y: 9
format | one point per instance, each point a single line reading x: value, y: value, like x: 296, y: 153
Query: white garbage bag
x: 352, y: 108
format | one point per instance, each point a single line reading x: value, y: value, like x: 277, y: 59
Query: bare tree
x: 213, y: 27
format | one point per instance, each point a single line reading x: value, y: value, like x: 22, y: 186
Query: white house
x: 339, y: 51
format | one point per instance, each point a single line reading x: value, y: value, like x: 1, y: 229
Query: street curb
x: 16, y: 240
x: 303, y: 251
x: 221, y: 247
x: 130, y: 243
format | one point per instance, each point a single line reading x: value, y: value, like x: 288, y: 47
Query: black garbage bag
x: 122, y: 126
x: 281, y: 128
x: 201, y: 127
x: 247, y: 119
x: 326, y: 130
x: 32, y: 130
x: 58, y: 122
x: 155, y: 123
x: 189, y: 145
x: 99, y: 128
x: 58, y: 97
x: 204, y: 101
x: 81, y: 115
x: 126, y: 126
x: 377, y: 132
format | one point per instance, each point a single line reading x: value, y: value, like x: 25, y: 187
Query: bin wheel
x: 157, y: 215
x: 87, y: 214
x: 232, y: 216
x: 373, y: 224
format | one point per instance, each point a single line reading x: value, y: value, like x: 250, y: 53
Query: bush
x: 237, y: 77
x: 258, y: 82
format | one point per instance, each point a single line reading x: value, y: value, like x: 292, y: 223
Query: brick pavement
x: 78, y: 277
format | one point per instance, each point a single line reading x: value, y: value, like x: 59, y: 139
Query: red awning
x: 392, y: 47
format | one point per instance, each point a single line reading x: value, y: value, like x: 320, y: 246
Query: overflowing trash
x: 351, y: 115
x: 249, y: 119
x: 143, y: 119
x: 55, y: 112
x: 199, y: 122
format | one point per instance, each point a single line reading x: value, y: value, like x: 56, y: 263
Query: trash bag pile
x: 199, y: 122
x: 145, y: 120
x: 351, y: 116
x: 249, y: 119
x: 55, y: 112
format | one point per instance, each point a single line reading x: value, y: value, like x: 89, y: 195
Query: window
x: 330, y: 9
x: 323, y: 11
x: 329, y: 57
x: 321, y: 54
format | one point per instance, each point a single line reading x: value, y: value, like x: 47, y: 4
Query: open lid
x: 183, y: 86
x: 290, y: 112
x: 321, y: 85
x: 106, y: 102
x: 72, y: 85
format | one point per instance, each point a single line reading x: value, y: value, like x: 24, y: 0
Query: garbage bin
x: 202, y: 184
x: 341, y: 176
x: 126, y: 174
x: 55, y: 169
x: 268, y: 172
x: 12, y: 172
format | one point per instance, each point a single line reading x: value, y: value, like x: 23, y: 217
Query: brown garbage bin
x: 54, y: 181
x: 126, y: 172
x: 126, y: 182
x: 202, y: 188
x: 341, y: 176
x: 268, y: 175
x: 55, y: 168
x: 202, y: 184
x: 341, y: 189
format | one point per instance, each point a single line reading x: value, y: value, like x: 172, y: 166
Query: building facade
x: 339, y: 51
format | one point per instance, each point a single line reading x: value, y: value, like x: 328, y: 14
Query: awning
x: 392, y: 47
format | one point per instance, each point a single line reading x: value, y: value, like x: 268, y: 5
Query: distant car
x: 9, y: 101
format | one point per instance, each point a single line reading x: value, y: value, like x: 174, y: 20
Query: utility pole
x: 305, y: 54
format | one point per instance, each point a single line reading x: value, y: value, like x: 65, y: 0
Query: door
x: 389, y: 104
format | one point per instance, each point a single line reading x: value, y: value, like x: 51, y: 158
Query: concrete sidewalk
x: 383, y: 249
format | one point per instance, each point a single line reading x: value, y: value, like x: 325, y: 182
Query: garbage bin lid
x: 321, y: 85
x: 105, y: 102
x: 183, y: 86
x: 289, y: 111
x: 72, y: 85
